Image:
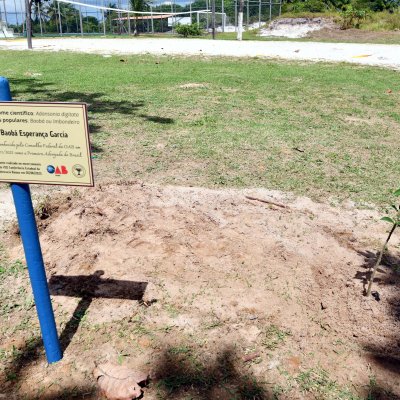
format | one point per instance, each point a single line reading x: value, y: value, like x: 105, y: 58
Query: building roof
x: 156, y: 16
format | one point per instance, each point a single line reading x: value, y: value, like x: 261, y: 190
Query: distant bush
x: 318, y: 6
x: 382, y: 21
x: 188, y: 30
x: 352, y: 18
x: 377, y: 5
x: 313, y: 6
x: 307, y: 14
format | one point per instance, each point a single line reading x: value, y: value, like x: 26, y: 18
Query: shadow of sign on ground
x: 88, y: 287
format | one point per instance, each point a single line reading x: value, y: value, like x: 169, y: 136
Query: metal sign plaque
x: 45, y: 143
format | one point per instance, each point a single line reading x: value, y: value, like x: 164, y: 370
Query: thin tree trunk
x: 40, y: 19
x: 28, y: 23
x: 59, y: 18
x: 378, y: 261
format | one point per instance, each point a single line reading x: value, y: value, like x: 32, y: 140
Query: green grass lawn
x: 328, y: 131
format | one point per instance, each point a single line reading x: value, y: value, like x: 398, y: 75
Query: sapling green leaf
x: 388, y: 219
x: 395, y: 221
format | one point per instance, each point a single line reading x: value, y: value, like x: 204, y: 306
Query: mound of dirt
x: 296, y: 27
x: 221, y: 268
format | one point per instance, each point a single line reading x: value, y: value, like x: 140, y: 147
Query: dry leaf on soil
x: 118, y: 382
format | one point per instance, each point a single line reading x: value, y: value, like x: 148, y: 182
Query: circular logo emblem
x: 50, y: 169
x: 78, y: 171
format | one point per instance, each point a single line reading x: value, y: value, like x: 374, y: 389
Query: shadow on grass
x: 22, y: 358
x: 73, y: 392
x: 31, y: 353
x: 32, y: 89
x: 98, y: 102
x: 159, y: 120
x: 179, y: 372
x: 88, y: 287
x: 93, y: 129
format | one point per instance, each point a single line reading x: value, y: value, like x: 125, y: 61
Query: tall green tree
x: 110, y: 15
x: 138, y: 5
x: 69, y: 17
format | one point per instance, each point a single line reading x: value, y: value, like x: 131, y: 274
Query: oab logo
x: 58, y: 170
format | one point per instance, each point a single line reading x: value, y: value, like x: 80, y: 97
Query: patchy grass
x: 184, y: 371
x: 325, y: 130
x: 317, y: 383
x: 274, y: 337
x: 11, y: 268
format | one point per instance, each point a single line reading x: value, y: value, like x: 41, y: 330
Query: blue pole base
x: 34, y: 258
x: 37, y: 273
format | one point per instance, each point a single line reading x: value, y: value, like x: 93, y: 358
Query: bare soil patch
x: 192, y: 86
x: 355, y: 35
x: 217, y: 295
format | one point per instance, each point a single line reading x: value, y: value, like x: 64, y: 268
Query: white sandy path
x: 377, y: 54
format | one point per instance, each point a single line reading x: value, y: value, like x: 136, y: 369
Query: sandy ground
x: 7, y: 208
x: 217, y: 271
x: 367, y: 54
x: 296, y: 27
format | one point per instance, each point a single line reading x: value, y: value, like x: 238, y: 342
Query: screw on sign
x: 20, y: 167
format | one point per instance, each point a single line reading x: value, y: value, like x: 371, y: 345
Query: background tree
x: 110, y: 15
x: 50, y: 17
x: 138, y: 5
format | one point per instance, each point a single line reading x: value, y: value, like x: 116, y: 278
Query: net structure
x: 105, y: 17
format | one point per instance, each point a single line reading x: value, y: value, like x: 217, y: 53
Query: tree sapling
x: 395, y: 221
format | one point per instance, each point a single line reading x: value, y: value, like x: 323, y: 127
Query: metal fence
x: 67, y: 19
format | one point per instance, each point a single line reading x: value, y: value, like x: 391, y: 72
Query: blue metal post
x: 34, y: 258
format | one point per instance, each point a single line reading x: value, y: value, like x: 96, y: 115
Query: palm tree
x: 69, y: 17
x: 110, y: 15
x: 138, y: 5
